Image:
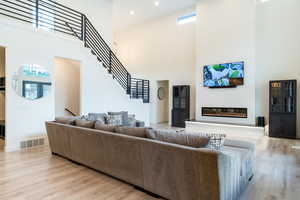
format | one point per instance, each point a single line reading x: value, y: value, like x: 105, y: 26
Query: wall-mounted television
x: 224, y: 75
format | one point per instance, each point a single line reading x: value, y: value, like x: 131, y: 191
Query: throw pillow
x: 131, y: 121
x: 124, y: 117
x: 99, y: 125
x: 97, y: 116
x: 132, y: 131
x: 66, y: 120
x: 114, y: 120
x: 84, y: 123
x: 180, y: 138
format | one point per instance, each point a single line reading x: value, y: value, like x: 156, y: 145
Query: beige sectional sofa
x: 172, y: 171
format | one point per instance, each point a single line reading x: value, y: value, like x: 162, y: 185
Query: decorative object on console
x: 283, y: 109
x: 225, y: 112
x: 216, y: 141
x: 224, y: 75
x: 181, y: 105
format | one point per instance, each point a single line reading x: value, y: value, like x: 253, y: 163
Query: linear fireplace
x: 225, y: 112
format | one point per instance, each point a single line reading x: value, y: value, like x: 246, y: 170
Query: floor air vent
x: 33, y: 142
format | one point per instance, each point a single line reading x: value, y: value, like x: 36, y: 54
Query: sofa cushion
x: 84, y: 123
x: 66, y: 120
x: 97, y: 116
x: 132, y: 131
x: 124, y: 115
x: 216, y: 141
x: 178, y: 137
x: 99, y: 125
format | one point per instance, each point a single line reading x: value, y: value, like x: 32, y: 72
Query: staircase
x: 52, y: 16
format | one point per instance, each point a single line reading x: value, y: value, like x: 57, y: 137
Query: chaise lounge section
x: 172, y: 171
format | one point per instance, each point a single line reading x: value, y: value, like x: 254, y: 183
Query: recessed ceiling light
x: 132, y: 12
x: 156, y: 3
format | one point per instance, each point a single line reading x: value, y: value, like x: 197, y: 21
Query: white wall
x: 98, y: 11
x: 99, y: 92
x: 226, y: 33
x: 67, y: 86
x: 277, y: 48
x: 2, y: 74
x: 161, y: 50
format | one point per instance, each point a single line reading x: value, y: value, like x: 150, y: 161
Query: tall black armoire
x: 283, y: 109
x: 181, y: 105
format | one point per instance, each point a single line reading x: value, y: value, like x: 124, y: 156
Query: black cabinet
x: 181, y: 105
x: 283, y: 109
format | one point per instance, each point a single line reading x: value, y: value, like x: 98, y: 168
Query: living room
x: 143, y: 64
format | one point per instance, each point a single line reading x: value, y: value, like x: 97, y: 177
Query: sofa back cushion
x: 66, y: 120
x: 178, y: 137
x: 84, y: 123
x: 99, y: 125
x: 132, y: 131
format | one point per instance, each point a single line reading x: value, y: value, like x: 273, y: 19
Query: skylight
x: 192, y: 17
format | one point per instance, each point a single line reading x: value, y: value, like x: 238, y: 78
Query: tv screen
x: 224, y: 75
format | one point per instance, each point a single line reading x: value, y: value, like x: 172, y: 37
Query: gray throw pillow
x: 180, y: 138
x: 114, y: 120
x: 132, y: 131
x: 66, y: 120
x: 99, y: 125
x: 84, y: 123
x: 124, y: 117
x: 131, y: 121
x: 97, y: 116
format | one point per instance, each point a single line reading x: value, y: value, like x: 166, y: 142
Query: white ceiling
x: 144, y: 10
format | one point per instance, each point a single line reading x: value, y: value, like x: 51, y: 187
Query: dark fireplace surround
x: 225, y: 112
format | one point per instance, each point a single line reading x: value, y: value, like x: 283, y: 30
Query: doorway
x: 67, y: 87
x: 2, y: 98
x: 163, y: 98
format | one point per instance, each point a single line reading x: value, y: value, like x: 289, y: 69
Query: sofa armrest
x: 235, y: 169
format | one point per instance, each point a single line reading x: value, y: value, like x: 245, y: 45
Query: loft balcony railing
x: 53, y: 16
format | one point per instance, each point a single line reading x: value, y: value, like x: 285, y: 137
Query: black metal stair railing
x: 52, y: 16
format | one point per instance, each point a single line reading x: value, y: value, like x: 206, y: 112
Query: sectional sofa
x: 172, y: 171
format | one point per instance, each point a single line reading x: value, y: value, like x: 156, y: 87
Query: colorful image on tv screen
x: 222, y: 75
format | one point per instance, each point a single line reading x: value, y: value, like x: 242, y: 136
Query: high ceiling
x: 144, y: 10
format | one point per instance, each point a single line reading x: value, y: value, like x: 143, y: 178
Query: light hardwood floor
x: 37, y: 175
